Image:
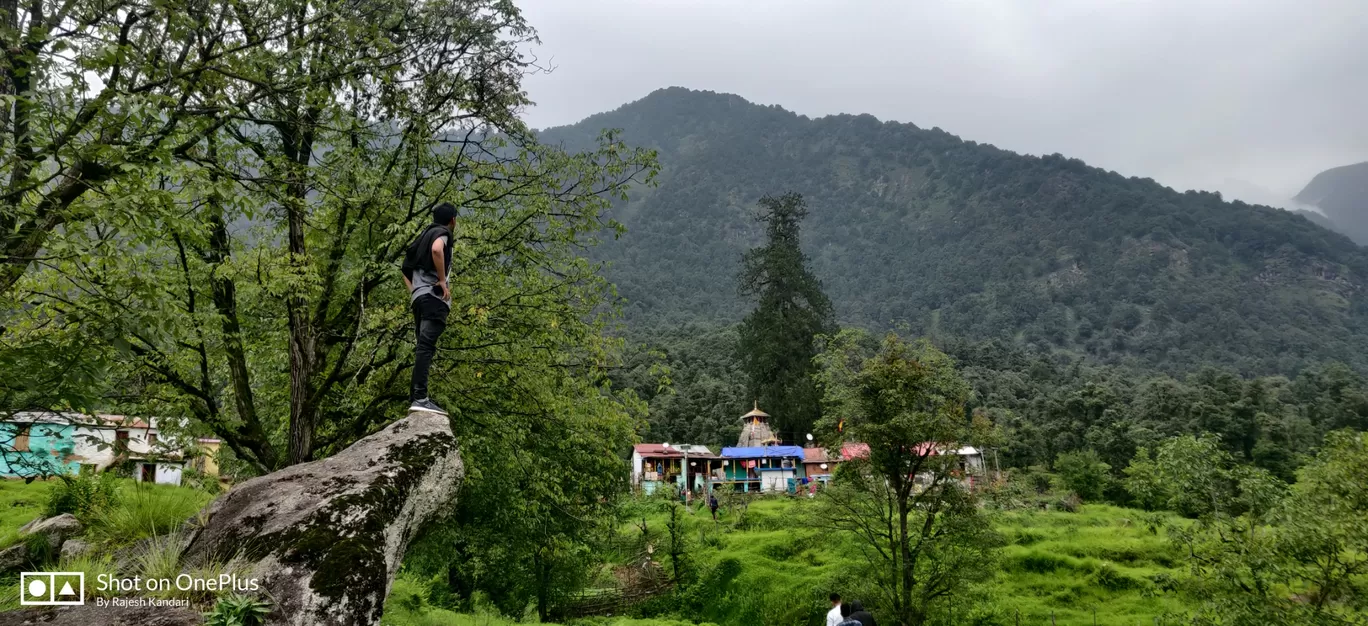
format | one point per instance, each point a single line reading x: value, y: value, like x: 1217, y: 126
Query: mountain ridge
x: 1342, y: 194
x: 921, y: 229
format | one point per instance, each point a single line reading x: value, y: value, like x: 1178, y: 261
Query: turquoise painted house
x: 40, y: 444
x: 34, y: 448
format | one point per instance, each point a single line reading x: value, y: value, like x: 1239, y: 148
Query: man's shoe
x: 426, y: 404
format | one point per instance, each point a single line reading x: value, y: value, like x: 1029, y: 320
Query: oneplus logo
x: 52, y: 588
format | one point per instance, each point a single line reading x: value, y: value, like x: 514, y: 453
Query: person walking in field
x: 712, y: 504
x: 427, y: 265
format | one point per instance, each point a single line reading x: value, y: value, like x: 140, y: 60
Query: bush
x: 238, y: 611
x: 195, y: 479
x: 1084, y: 473
x: 1037, y: 479
x: 1038, y: 562
x: 148, y: 511
x: 84, y: 495
x: 1108, y: 577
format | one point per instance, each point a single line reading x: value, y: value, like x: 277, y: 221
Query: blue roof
x: 762, y: 452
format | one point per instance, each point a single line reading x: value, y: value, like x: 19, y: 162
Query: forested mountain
x: 960, y: 239
x: 1342, y: 193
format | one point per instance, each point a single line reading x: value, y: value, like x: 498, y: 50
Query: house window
x: 120, y: 441
x: 151, y: 439
x: 21, y: 438
x: 149, y: 472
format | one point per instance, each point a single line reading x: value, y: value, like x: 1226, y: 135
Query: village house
x: 819, y: 464
x: 657, y: 464
x: 760, y: 462
x: 968, y: 467
x: 48, y: 443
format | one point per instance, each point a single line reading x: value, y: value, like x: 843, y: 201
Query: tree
x: 692, y: 379
x: 777, y: 339
x: 541, y: 492
x: 921, y: 531
x: 1194, y: 476
x: 266, y: 260
x: 1083, y: 473
x: 1301, y: 560
x: 97, y: 97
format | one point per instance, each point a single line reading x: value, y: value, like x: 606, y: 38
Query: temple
x: 755, y: 430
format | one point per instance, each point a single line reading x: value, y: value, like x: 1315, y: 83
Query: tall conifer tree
x: 777, y: 338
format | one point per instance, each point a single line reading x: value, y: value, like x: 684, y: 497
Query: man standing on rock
x: 426, y: 267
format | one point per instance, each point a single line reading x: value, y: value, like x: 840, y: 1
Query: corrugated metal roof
x: 80, y: 419
x: 659, y: 449
x: 762, y: 452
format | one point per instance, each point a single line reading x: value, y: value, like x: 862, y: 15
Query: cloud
x: 1192, y: 93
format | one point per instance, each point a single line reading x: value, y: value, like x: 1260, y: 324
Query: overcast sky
x: 1232, y: 95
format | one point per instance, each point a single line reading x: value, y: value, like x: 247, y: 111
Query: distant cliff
x: 1342, y: 194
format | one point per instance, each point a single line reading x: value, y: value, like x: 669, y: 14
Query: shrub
x: 1108, y: 577
x: 84, y: 495
x: 201, y: 481
x: 1084, y: 473
x: 1038, y: 562
x: 92, y: 566
x: 148, y: 511
x: 1037, y: 478
x: 238, y: 611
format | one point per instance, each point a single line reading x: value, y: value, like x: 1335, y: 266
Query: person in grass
x: 427, y: 265
x: 834, y: 617
x: 859, y: 614
x: 712, y: 503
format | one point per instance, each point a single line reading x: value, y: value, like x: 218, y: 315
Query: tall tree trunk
x: 543, y: 569
x: 303, y: 353
x: 305, y: 357
x: 9, y: 23
x: 225, y: 302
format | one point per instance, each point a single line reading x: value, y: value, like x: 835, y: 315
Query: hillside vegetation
x: 956, y: 238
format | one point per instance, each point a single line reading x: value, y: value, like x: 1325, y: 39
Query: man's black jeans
x: 429, y: 320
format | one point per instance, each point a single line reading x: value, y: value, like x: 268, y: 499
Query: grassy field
x: 19, y: 505
x: 778, y: 570
x: 142, y: 511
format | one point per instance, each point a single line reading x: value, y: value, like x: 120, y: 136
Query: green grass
x: 143, y: 511
x: 407, y: 606
x: 19, y: 505
x: 1103, y: 558
x: 146, y: 511
x: 1056, y: 565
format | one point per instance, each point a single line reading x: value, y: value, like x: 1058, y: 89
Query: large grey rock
x: 13, y: 558
x: 325, y: 539
x: 74, y: 549
x: 23, y: 530
x: 58, y: 529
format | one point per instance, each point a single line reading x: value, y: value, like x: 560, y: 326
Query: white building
x: 73, y: 442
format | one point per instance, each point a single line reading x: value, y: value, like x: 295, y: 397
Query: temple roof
x: 756, y: 412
